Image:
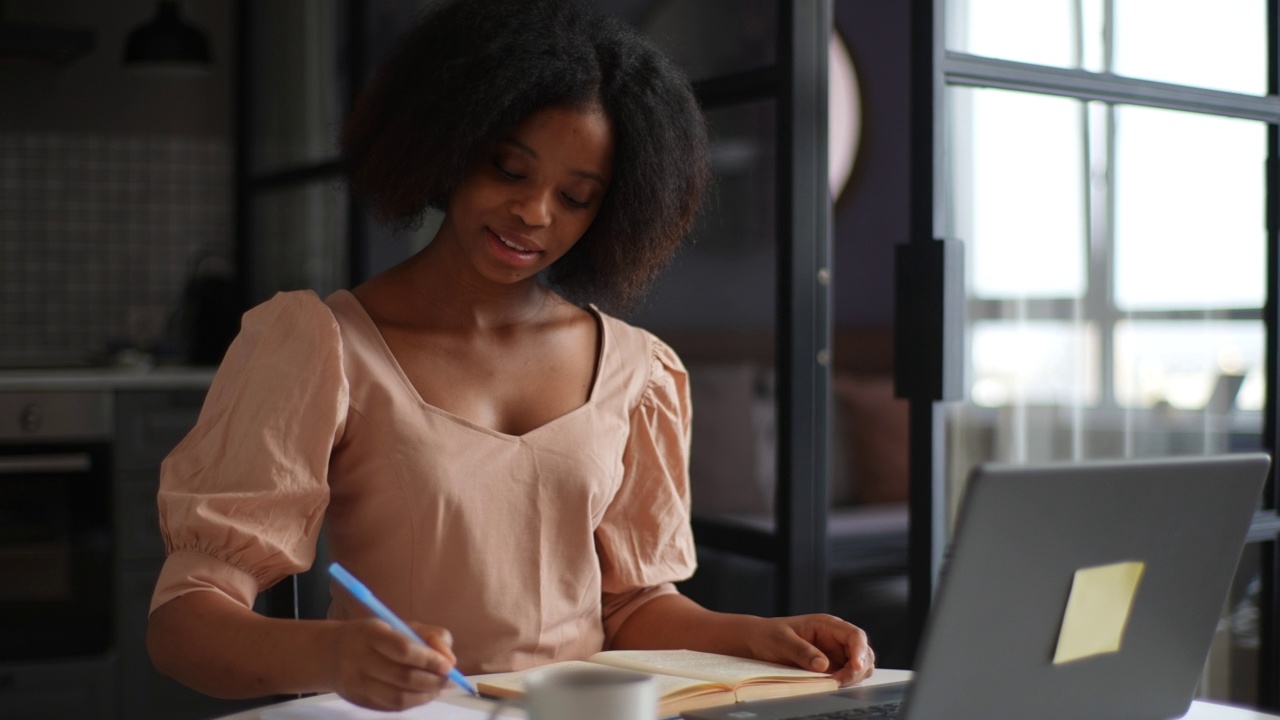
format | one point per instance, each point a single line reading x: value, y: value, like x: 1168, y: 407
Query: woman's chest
x: 421, y: 464
x: 512, y: 385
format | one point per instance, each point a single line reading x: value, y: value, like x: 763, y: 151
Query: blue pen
x: 364, y: 595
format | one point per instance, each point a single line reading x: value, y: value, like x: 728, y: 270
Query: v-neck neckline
x: 385, y: 350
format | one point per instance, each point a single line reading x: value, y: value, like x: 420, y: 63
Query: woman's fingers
x: 409, y: 664
x: 379, y: 695
x: 843, y: 646
x: 379, y: 668
x: 438, y: 638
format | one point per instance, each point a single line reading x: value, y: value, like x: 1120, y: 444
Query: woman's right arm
x: 243, y: 654
x: 241, y: 502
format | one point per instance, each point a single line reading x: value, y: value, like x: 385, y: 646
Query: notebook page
x: 705, y: 666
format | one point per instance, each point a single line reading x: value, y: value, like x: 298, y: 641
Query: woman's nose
x: 533, y: 207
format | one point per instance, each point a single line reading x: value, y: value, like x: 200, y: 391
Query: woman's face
x: 526, y: 207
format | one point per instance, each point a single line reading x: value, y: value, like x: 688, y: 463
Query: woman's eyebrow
x: 590, y: 175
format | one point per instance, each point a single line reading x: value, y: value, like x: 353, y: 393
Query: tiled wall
x: 98, y: 236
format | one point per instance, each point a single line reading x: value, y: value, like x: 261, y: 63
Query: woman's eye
x: 574, y: 202
x: 506, y: 173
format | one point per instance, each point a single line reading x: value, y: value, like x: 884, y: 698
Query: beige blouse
x: 529, y: 549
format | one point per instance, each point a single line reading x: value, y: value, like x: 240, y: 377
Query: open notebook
x: 685, y: 679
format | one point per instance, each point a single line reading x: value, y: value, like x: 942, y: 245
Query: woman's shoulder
x: 622, y: 338
x: 287, y: 302
x: 635, y: 337
x: 639, y: 353
x: 288, y: 346
x: 286, y: 327
x: 292, y: 312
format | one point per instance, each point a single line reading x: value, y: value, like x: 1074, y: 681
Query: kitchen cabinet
x: 149, y: 423
x: 139, y: 416
x: 80, y: 688
x: 56, y: 579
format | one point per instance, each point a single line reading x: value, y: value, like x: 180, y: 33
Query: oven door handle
x: 27, y: 464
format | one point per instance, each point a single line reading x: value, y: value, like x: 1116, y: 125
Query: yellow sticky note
x: 1097, y: 610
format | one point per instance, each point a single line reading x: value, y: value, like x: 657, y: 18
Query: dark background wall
x: 707, y: 287
x: 96, y: 94
x: 113, y: 184
x: 872, y: 215
x: 152, y: 133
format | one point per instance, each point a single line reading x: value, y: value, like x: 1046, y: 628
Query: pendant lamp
x: 167, y: 44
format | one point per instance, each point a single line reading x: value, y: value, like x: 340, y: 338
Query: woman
x: 502, y: 463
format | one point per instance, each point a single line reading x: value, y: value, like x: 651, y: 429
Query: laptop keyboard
x: 869, y: 712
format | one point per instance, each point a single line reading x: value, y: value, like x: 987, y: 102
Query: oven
x: 56, y: 547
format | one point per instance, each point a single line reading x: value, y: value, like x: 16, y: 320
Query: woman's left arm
x: 646, y: 541
x: 823, y: 643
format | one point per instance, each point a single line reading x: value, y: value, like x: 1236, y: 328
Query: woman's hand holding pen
x: 815, y: 642
x: 375, y: 666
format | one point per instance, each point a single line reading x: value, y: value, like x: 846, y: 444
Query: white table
x: 456, y: 698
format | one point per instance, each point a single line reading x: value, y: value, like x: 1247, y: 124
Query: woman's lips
x: 518, y: 250
x: 513, y: 246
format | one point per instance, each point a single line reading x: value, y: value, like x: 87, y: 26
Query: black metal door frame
x: 798, y: 82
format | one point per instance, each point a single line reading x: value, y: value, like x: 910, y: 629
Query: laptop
x: 1071, y: 591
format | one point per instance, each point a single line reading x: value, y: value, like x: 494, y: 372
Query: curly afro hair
x: 470, y: 71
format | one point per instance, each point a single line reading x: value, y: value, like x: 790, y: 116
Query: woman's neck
x: 429, y: 289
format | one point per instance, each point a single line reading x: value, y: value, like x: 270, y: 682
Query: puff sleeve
x: 645, y: 541
x: 243, y: 495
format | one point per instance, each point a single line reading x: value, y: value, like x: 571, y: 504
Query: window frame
x: 928, y: 379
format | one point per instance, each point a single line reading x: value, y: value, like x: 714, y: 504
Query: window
x: 1105, y: 166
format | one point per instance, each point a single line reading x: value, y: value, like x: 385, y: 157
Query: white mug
x: 590, y: 694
